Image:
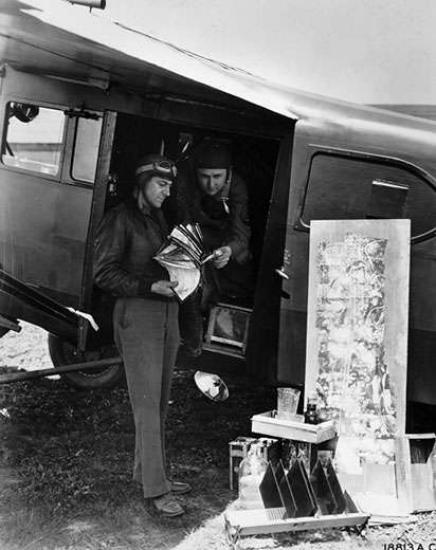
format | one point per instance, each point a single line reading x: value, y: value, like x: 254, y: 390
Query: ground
x: 66, y: 458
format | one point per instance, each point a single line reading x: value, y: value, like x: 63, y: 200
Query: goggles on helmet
x: 162, y: 167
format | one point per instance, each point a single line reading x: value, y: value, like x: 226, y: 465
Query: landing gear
x: 63, y: 352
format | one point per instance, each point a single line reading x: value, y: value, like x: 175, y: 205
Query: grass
x: 67, y: 458
x: 65, y: 473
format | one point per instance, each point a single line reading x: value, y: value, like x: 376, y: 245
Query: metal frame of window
x: 422, y: 174
x: 54, y: 177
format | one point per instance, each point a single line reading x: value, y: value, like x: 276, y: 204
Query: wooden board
x: 255, y: 522
x: 357, y: 324
x: 357, y: 332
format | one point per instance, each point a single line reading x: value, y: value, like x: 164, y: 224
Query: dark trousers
x: 191, y: 325
x: 147, y: 336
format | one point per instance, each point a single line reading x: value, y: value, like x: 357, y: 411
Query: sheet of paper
x: 188, y: 277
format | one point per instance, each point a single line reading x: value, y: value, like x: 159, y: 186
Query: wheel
x: 63, y: 352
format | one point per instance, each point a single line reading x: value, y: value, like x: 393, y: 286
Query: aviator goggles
x: 162, y: 167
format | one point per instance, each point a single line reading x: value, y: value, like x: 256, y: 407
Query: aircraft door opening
x: 254, y: 160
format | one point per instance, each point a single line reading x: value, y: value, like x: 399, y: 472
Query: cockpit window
x: 34, y: 138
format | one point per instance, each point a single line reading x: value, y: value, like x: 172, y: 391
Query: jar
x: 251, y: 472
x: 311, y: 413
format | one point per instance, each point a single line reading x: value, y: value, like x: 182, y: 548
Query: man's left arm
x: 240, y: 230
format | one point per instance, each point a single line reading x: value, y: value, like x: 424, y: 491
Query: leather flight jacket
x: 127, y: 240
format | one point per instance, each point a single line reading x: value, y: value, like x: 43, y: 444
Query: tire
x: 63, y: 352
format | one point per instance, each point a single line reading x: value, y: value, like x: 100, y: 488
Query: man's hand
x: 222, y: 256
x: 164, y: 288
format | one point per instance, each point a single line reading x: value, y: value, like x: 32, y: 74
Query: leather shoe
x: 167, y: 506
x: 180, y: 487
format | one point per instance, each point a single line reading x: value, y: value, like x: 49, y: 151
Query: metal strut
x: 20, y: 376
x: 11, y: 286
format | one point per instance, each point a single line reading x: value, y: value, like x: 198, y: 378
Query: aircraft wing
x: 54, y: 37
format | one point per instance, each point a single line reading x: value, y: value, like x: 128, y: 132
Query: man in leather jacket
x: 145, y: 320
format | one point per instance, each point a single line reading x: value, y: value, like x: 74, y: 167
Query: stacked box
x: 239, y: 448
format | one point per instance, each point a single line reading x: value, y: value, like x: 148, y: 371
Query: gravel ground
x: 26, y: 350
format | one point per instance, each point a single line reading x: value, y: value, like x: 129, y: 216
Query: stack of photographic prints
x: 182, y: 256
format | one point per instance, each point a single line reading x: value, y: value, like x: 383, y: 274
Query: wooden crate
x: 238, y: 450
x: 415, y: 470
x: 266, y: 423
x: 399, y: 488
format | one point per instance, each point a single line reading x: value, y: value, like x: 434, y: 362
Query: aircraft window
x: 86, y: 145
x: 343, y: 188
x: 388, y: 200
x: 34, y: 138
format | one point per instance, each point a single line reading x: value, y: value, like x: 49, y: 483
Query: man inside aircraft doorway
x: 216, y: 197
